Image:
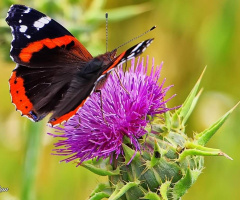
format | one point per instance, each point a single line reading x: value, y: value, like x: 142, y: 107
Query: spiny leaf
x: 183, y: 111
x: 121, y: 191
x: 100, y: 171
x: 156, y: 155
x: 194, y: 102
x: 99, y: 196
x: 129, y: 154
x: 203, y: 151
x: 175, y: 123
x: 100, y: 187
x: 167, y: 118
x: 203, y: 137
x: 183, y: 185
x: 164, y: 189
x: 151, y: 196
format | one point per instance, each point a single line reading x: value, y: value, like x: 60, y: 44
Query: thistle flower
x: 145, y: 155
x: 93, y: 132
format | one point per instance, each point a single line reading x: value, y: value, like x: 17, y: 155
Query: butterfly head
x: 106, y: 58
x: 110, y: 55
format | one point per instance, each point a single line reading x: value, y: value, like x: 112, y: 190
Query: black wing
x: 47, y: 57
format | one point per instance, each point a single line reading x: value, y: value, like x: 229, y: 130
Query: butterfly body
x: 54, y: 73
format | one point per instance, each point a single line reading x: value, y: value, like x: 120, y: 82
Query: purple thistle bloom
x: 88, y: 135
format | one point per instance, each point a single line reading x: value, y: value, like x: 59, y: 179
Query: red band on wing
x: 67, y: 116
x: 115, y: 63
x: 27, y: 52
x: 18, y: 95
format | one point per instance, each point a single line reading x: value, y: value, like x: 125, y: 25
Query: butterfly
x: 54, y: 73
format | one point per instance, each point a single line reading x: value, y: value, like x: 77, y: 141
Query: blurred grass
x: 189, y: 35
x: 30, y: 167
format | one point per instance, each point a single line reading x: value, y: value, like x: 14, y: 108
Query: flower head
x: 95, y: 132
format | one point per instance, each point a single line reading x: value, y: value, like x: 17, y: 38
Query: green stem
x: 34, y: 133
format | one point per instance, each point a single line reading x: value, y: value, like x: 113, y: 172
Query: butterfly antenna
x: 137, y: 37
x: 106, y: 16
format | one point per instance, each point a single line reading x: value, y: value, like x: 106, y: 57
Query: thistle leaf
x: 183, y: 185
x: 99, y: 196
x: 152, y: 196
x: 203, y: 137
x: 198, y: 150
x: 164, y: 189
x: 167, y: 118
x: 194, y: 102
x: 176, y: 120
x: 190, y: 102
x: 122, y: 190
x: 100, y: 171
x: 129, y: 154
x: 100, y: 188
x: 156, y: 155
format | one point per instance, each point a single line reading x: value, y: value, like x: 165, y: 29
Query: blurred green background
x: 189, y: 36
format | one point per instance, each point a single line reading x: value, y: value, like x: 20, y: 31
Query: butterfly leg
x: 121, y: 82
x: 79, y: 123
x: 101, y: 105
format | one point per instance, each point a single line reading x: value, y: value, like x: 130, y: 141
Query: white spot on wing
x: 41, y: 22
x: 131, y: 55
x: 20, y: 21
x: 27, y: 36
x: 28, y: 10
x: 137, y: 47
x: 23, y: 28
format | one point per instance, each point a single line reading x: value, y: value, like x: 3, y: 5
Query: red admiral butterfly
x: 55, y: 72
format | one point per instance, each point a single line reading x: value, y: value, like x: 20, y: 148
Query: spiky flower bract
x: 128, y: 98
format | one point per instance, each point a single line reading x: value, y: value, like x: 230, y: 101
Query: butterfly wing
x: 36, y: 35
x: 47, y: 57
x: 85, y: 82
x: 129, y: 54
